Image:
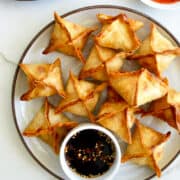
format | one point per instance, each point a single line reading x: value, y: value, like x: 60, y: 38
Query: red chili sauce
x: 166, y: 1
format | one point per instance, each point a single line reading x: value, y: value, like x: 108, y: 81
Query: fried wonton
x: 118, y: 34
x: 49, y: 127
x: 44, y: 80
x: 117, y: 117
x: 137, y: 87
x: 105, y: 19
x: 55, y: 137
x: 167, y: 108
x: 156, y: 63
x: 100, y: 62
x: 146, y: 148
x: 156, y: 52
x: 82, y: 97
x: 68, y: 37
x: 156, y: 42
x: 45, y: 120
x: 113, y: 96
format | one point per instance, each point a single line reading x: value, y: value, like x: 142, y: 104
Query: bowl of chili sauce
x: 90, y: 151
x: 163, y: 4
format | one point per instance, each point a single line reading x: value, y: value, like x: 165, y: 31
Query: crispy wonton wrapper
x: 118, y: 34
x: 44, y: 80
x: 155, y: 43
x: 156, y: 63
x: 49, y: 127
x: 105, y: 19
x: 137, y: 87
x: 146, y: 148
x: 156, y: 52
x: 45, y: 120
x: 113, y: 96
x: 117, y: 117
x: 68, y: 37
x: 167, y: 108
x: 100, y: 62
x: 82, y: 97
x: 55, y: 137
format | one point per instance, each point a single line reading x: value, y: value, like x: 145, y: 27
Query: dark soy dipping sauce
x: 90, y: 153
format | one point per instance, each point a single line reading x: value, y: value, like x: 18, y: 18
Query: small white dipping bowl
x: 168, y: 6
x: 74, y: 175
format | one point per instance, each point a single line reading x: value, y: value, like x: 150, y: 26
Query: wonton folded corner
x: 68, y: 38
x: 117, y: 33
x: 44, y: 80
x: 48, y: 126
x: 156, y: 52
x: 167, y: 108
x: 82, y: 97
x: 101, y: 61
x: 118, y: 117
x: 146, y: 148
x: 137, y: 87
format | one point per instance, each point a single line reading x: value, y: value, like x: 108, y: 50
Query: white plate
x: 168, y: 6
x: 24, y: 111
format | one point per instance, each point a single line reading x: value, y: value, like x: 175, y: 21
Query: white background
x: 19, y: 22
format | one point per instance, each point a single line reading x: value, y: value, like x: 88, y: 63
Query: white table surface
x: 19, y: 22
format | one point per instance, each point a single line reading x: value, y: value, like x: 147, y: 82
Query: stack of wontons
x: 116, y: 42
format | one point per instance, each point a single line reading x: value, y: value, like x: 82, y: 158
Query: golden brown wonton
x: 167, y: 108
x: 118, y: 34
x: 100, y: 62
x: 146, y: 148
x: 117, y: 117
x: 113, y: 96
x: 137, y: 87
x: 50, y: 127
x: 44, y: 80
x: 55, y: 137
x: 156, y: 63
x: 156, y: 52
x: 45, y: 120
x: 105, y: 19
x: 82, y: 97
x: 68, y: 37
x: 156, y: 43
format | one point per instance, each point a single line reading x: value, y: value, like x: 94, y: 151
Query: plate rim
x: 29, y: 46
